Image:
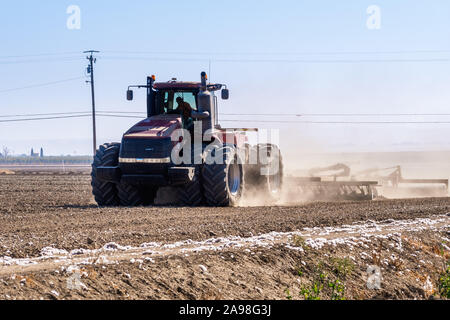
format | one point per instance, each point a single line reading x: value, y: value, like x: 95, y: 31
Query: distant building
x: 37, y: 155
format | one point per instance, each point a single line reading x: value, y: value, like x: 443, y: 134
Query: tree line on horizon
x: 7, y: 158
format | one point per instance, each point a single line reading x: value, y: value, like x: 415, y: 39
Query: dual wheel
x: 217, y: 184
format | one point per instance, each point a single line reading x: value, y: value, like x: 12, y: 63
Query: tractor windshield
x: 167, y: 101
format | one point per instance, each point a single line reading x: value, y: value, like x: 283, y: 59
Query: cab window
x: 166, y: 100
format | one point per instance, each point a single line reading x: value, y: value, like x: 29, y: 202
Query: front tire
x: 133, y: 196
x: 105, y: 193
x: 191, y: 194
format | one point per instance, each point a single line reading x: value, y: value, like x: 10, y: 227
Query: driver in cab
x: 185, y: 110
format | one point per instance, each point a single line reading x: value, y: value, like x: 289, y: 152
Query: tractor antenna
x: 90, y: 70
x: 209, y: 71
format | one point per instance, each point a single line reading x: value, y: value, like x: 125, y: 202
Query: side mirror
x: 129, y: 95
x: 225, y: 94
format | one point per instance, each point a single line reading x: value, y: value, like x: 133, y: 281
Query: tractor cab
x: 174, y: 97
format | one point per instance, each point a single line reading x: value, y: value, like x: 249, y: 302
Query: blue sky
x: 138, y: 38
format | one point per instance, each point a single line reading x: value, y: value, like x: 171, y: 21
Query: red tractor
x: 216, y: 169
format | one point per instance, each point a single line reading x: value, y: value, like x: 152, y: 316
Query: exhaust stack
x: 204, y: 78
x: 204, y: 104
x: 150, y: 96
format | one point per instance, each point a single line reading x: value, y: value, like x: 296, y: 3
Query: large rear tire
x: 223, y: 182
x: 105, y: 193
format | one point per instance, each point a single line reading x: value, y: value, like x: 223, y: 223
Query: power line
x: 230, y: 120
x: 69, y: 117
x: 243, y: 53
x: 129, y: 113
x: 328, y: 61
x: 124, y: 112
x: 239, y: 114
x: 279, y: 53
x: 67, y: 113
x: 207, y: 60
x: 40, y: 85
x: 46, y: 118
x: 119, y: 116
x: 339, y: 122
x: 334, y: 61
x: 336, y: 114
x: 306, y: 122
x: 69, y: 56
x: 40, y: 55
x: 40, y: 60
x: 42, y: 114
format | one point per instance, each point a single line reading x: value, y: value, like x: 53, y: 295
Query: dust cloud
x: 302, y: 153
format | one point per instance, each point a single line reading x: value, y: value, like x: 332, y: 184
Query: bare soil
x: 58, y: 211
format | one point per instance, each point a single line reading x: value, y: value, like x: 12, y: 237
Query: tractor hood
x: 148, y: 143
x: 156, y: 127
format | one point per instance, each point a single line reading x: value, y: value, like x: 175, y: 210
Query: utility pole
x: 90, y: 70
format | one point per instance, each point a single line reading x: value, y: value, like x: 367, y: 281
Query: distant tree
x: 6, y: 152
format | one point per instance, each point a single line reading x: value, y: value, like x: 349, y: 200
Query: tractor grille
x: 146, y: 148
